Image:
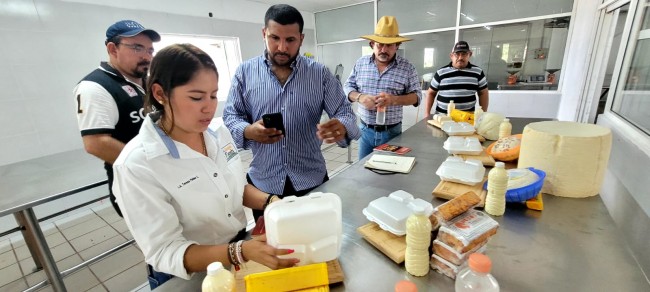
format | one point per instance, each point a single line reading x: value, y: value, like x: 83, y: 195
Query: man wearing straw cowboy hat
x: 380, y: 82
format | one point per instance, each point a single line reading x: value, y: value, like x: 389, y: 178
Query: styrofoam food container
x: 391, y: 212
x: 310, y: 225
x: 463, y: 145
x: 458, y: 128
x: 455, y: 169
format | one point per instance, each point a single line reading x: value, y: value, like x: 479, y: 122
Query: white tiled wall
x: 47, y: 46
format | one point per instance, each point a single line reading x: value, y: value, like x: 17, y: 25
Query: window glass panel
x: 528, y: 50
x: 438, y: 44
x: 479, y: 11
x: 632, y: 97
x: 334, y: 25
x: 418, y: 15
x: 345, y: 54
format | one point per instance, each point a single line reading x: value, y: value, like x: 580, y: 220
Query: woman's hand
x: 257, y: 250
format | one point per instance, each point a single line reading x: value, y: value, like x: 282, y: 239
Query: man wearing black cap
x: 459, y: 81
x: 110, y: 98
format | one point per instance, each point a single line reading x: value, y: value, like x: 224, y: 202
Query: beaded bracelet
x: 240, y: 256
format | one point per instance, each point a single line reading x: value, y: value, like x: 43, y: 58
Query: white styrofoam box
x: 310, y: 225
x: 458, y: 128
x: 391, y: 212
x: 455, y: 169
x: 463, y: 145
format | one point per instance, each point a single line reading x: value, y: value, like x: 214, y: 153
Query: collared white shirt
x: 172, y: 196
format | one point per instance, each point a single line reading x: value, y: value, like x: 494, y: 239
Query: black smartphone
x: 274, y: 120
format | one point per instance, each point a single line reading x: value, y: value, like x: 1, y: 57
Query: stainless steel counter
x: 26, y: 184
x: 573, y: 245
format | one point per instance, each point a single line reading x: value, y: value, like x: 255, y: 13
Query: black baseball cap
x: 129, y: 28
x: 461, y: 46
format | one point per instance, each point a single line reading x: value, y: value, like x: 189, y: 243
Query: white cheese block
x: 488, y: 125
x: 573, y: 155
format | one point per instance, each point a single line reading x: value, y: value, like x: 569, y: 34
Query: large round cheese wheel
x: 573, y: 155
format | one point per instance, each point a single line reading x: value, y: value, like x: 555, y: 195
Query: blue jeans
x: 156, y: 278
x: 371, y: 138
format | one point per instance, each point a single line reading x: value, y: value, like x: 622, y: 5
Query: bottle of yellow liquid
x: 495, y: 202
x: 218, y: 279
x: 505, y: 129
x: 478, y: 111
x: 451, y: 107
x: 418, y: 239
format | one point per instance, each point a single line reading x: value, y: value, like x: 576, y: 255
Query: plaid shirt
x: 399, y: 78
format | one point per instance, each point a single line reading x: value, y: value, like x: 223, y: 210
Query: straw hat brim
x: 385, y: 40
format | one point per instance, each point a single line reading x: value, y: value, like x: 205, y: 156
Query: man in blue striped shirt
x: 282, y: 81
x: 380, y: 82
x: 459, y: 81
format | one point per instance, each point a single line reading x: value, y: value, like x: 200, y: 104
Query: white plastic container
x: 455, y: 169
x: 310, y: 225
x: 458, y: 128
x: 418, y: 239
x: 463, y: 145
x: 391, y: 212
x: 218, y: 279
x: 476, y: 276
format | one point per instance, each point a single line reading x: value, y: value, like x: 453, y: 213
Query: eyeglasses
x: 461, y: 54
x: 138, y: 49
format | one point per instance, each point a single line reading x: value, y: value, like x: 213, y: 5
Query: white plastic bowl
x: 458, y: 128
x: 455, y: 169
x: 463, y: 145
x: 391, y: 212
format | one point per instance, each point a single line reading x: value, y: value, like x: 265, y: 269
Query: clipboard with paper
x: 390, y: 163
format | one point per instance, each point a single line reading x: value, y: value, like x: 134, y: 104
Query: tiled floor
x: 89, y: 233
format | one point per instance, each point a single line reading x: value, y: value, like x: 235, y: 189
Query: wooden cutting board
x: 484, y: 158
x: 334, y: 273
x: 449, y: 190
x: 393, y: 246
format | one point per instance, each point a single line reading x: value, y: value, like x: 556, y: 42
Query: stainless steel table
x: 26, y: 184
x: 573, y: 245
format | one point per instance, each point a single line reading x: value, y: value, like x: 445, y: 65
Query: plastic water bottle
x: 477, y: 277
x: 418, y: 239
x: 505, y: 129
x: 406, y: 286
x: 451, y: 107
x: 380, y: 119
x: 218, y: 279
x: 495, y: 202
x: 478, y: 111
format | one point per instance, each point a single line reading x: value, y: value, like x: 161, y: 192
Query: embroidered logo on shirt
x: 130, y: 90
x: 230, y: 151
x: 189, y: 180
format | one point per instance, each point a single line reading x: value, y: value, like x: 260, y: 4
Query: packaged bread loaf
x: 467, y: 231
x: 448, y: 253
x: 444, y: 267
x: 456, y: 206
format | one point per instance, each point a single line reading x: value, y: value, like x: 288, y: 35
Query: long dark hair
x: 174, y: 66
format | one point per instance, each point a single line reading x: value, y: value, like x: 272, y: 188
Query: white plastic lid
x: 500, y: 164
x: 213, y: 268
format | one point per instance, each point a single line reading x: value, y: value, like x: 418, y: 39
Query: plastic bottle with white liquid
x: 450, y: 107
x: 505, y: 128
x: 495, y: 202
x: 218, y: 279
x: 380, y: 119
x: 478, y: 111
x: 418, y: 239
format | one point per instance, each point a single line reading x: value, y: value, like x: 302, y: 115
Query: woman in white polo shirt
x: 182, y: 186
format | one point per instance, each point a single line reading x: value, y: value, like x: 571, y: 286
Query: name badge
x: 230, y: 151
x: 130, y: 90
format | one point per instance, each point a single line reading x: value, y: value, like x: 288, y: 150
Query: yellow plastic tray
x: 289, y: 279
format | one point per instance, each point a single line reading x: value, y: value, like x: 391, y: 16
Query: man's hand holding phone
x: 257, y: 132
